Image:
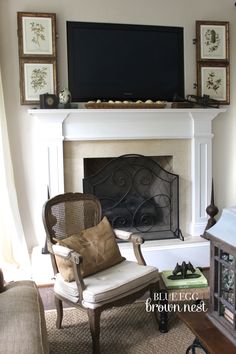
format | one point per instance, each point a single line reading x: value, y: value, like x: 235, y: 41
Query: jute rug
x: 124, y: 330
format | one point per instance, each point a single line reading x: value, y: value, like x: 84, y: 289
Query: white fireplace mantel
x: 53, y: 126
x: 108, y: 124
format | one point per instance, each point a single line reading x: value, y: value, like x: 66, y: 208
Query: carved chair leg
x: 59, y: 309
x: 94, y: 323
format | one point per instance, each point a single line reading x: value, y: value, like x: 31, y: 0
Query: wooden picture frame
x: 36, y: 34
x: 37, y: 76
x: 212, y: 40
x: 213, y: 79
x: 37, y: 55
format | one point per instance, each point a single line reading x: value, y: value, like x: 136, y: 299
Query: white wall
x: 155, y: 12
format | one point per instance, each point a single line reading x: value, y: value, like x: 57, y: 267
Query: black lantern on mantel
x: 222, y: 309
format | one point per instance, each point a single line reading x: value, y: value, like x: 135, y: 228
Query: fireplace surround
x: 56, y: 130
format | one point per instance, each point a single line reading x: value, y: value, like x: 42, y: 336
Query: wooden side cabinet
x: 222, y: 309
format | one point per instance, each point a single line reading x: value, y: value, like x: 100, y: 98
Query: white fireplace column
x: 201, y: 163
x: 53, y: 126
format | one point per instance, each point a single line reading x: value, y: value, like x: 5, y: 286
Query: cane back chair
x: 123, y: 283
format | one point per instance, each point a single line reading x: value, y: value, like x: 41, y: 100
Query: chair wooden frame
x: 77, y: 259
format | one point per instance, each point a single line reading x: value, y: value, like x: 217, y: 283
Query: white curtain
x: 14, y: 257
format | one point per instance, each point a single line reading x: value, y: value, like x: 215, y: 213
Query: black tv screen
x: 124, y: 62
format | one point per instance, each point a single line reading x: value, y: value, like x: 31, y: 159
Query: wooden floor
x: 47, y: 295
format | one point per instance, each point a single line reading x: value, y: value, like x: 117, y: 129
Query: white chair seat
x: 113, y: 283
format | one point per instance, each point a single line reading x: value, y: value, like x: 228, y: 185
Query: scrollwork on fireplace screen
x: 138, y: 195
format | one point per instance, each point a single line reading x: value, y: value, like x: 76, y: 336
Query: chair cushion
x: 122, y: 279
x: 98, y: 247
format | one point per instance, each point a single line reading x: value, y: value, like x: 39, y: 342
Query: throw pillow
x: 98, y: 247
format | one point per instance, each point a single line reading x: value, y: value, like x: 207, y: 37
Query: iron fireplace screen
x: 138, y: 195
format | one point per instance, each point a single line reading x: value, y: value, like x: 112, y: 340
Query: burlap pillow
x: 98, y: 247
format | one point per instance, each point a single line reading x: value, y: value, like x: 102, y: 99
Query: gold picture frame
x: 212, y: 40
x: 36, y: 34
x: 37, y: 76
x: 213, y: 79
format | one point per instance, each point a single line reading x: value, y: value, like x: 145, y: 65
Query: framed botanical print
x: 37, y: 76
x: 213, y: 80
x: 36, y: 34
x: 212, y: 40
x: 37, y: 55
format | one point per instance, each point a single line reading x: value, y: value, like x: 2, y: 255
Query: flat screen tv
x: 124, y: 62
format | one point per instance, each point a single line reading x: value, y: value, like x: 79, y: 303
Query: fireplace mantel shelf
x: 136, y: 110
x: 124, y: 124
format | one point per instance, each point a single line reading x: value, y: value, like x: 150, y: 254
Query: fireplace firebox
x: 138, y: 195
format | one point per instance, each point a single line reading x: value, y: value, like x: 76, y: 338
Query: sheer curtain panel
x: 14, y: 256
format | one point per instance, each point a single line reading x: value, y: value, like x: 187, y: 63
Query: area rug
x: 124, y: 330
